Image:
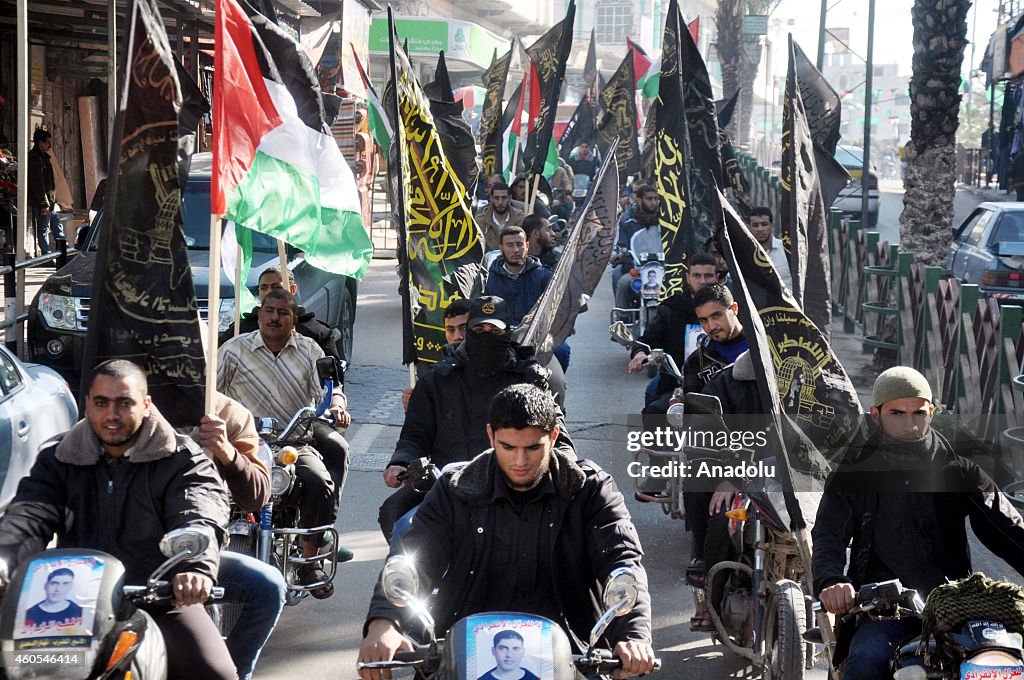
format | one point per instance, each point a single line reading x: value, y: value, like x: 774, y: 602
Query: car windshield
x: 849, y: 158
x: 195, y: 214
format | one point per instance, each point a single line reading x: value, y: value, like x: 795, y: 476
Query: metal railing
x: 13, y: 315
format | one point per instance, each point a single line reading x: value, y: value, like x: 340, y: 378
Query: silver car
x: 35, y: 405
x: 988, y: 249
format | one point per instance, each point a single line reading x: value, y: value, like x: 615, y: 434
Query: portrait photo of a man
x: 508, y: 650
x: 57, y: 609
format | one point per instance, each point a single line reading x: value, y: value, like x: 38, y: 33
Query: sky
x: 893, y: 27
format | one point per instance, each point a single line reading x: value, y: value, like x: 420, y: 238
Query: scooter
x: 106, y: 636
x: 465, y: 651
x: 977, y: 649
x: 648, y: 274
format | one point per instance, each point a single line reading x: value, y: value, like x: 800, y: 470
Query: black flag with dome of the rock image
x: 144, y: 305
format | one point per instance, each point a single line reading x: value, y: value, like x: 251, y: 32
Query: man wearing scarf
x: 901, y: 500
x: 447, y: 417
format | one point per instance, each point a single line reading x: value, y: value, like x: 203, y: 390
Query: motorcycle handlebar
x: 163, y: 592
x: 601, y: 662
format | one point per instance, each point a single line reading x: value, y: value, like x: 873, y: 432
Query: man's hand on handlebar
x: 380, y: 644
x: 342, y: 418
x: 838, y: 598
x: 721, y: 498
x: 638, y: 361
x: 391, y: 476
x: 191, y: 588
x: 637, y: 658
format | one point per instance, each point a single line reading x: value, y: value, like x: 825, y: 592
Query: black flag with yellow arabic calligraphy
x: 618, y: 118
x: 548, y: 55
x: 736, y: 181
x: 443, y: 248
x: 489, y: 133
x: 683, y: 229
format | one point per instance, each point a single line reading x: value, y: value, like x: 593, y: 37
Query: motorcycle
x: 977, y: 649
x: 648, y: 274
x: 465, y: 651
x: 274, y: 536
x: 106, y: 636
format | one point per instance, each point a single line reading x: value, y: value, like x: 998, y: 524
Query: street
x: 315, y: 636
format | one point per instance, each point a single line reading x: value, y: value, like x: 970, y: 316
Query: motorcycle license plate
x: 970, y: 671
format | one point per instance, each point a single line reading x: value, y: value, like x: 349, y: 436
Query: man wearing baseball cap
x: 446, y: 421
x: 900, y: 503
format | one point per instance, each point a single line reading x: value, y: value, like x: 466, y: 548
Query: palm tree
x: 739, y: 56
x: 940, y: 36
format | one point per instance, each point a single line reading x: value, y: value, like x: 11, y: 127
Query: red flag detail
x: 243, y: 112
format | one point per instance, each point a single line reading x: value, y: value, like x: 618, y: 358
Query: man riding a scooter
x: 899, y: 503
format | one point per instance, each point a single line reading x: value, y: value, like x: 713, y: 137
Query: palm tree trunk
x: 940, y: 36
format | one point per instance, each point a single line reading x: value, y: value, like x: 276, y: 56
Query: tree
x: 739, y: 56
x: 940, y: 36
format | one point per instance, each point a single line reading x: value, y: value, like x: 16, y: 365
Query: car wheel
x: 346, y: 321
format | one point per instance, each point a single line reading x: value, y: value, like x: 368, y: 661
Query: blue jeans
x: 872, y: 647
x: 562, y: 353
x: 44, y: 225
x: 651, y: 391
x: 261, y: 590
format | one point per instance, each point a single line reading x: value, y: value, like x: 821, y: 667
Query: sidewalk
x: 983, y: 194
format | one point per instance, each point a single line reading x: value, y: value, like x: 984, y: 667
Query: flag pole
x: 286, y: 276
x: 238, y: 285
x: 213, y: 310
x: 533, y: 193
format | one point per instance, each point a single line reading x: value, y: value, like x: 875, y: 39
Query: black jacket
x: 306, y: 324
x: 41, y: 182
x: 736, y: 387
x: 590, y: 534
x: 700, y: 367
x: 668, y: 329
x: 917, y: 537
x: 120, y: 506
x: 447, y: 416
x: 521, y: 291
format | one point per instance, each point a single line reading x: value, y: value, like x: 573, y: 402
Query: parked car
x: 59, y: 313
x: 36, y: 404
x: 988, y: 249
x: 849, y: 199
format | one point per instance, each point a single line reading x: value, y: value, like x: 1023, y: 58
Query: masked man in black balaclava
x: 447, y: 416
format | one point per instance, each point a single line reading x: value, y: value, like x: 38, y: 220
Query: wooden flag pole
x: 286, y: 276
x: 412, y: 375
x: 533, y: 193
x: 212, y: 314
x: 512, y: 168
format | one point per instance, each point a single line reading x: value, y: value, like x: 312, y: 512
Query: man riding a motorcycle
x: 447, y: 416
x: 901, y: 500
x: 641, y: 215
x: 523, y: 527
x: 273, y: 373
x: 118, y: 481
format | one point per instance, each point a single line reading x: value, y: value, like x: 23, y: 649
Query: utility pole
x: 820, y: 63
x: 868, y: 81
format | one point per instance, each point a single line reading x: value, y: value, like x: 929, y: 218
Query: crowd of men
x: 516, y: 503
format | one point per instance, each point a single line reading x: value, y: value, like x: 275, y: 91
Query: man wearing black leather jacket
x: 899, y: 503
x: 523, y: 527
x: 447, y: 416
x: 118, y: 481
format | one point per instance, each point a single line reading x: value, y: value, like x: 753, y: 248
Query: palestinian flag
x: 648, y: 71
x: 277, y: 169
x: 380, y: 127
x: 511, y: 130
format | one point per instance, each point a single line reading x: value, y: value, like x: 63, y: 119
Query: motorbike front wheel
x: 786, y: 621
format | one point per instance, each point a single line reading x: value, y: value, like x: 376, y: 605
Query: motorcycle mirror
x: 619, y: 596
x: 400, y: 580
x: 621, y: 334
x: 327, y: 368
x: 194, y: 540
x: 621, y: 591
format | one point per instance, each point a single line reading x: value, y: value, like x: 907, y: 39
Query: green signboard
x: 460, y: 40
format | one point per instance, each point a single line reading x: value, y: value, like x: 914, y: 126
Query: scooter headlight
x: 280, y: 481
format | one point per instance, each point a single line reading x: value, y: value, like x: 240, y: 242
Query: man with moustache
x: 498, y: 215
x: 762, y: 228
x: 516, y: 276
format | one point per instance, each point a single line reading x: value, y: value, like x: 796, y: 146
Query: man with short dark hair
x: 447, y: 416
x: 118, y: 481
x: 583, y: 162
x: 476, y: 534
x: 541, y: 240
x: 762, y: 228
x: 508, y: 650
x: 640, y: 216
x: 516, y: 276
x: 498, y: 215
x: 42, y: 187
x: 57, y: 609
x: 306, y: 323
x: 675, y: 327
x: 456, y: 317
x: 272, y: 372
